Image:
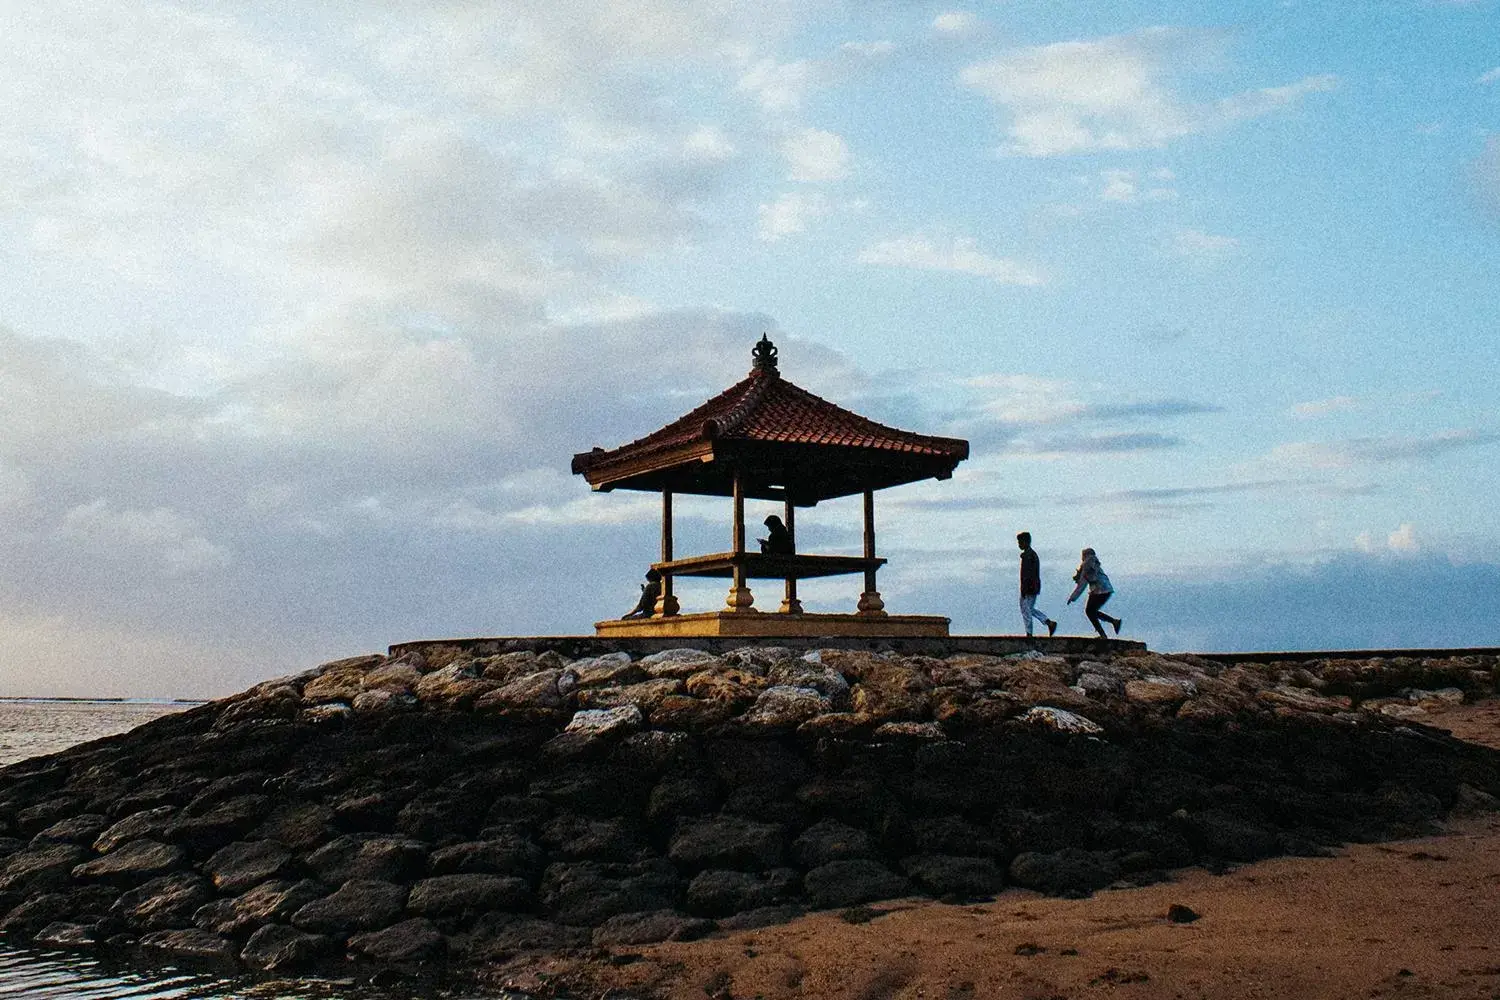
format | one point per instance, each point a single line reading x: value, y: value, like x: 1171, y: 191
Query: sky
x: 306, y: 308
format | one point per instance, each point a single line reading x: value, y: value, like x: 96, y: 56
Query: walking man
x: 1031, y: 585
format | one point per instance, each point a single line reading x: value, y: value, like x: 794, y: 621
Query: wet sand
x: 1416, y: 919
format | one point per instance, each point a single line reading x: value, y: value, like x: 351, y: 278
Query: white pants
x: 1029, y: 611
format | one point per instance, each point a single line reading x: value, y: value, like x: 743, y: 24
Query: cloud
x: 1403, y: 541
x: 1489, y: 76
x: 1323, y: 407
x: 1131, y: 187
x: 790, y: 214
x: 958, y: 255
x: 1391, y: 449
x: 957, y: 24
x: 176, y: 540
x: 1197, y: 245
x: 1115, y: 93
x: 815, y: 155
x: 1095, y: 444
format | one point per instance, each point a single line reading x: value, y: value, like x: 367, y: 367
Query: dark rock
x: 601, y: 839
x: 1179, y: 914
x: 359, y: 904
x: 496, y: 937
x: 510, y: 855
x: 148, y: 824
x: 1068, y: 872
x: 51, y: 907
x: 955, y: 835
x: 67, y: 935
x: 386, y: 859
x: 726, y: 842
x: 369, y: 811
x: 694, y: 715
x: 163, y: 903
x: 192, y: 943
x: 590, y: 892
x: 830, y: 840
x: 415, y: 940
x: 298, y: 825
x: 765, y: 916
x: 845, y: 883
x: 41, y: 869
x: 682, y: 795
x: 1230, y: 837
x: 210, y: 830
x: 467, y: 895
x: 82, y: 829
x: 34, y: 819
x: 954, y: 876
x: 441, y: 815
x: 268, y: 903
x: 650, y: 927
x: 132, y: 863
x: 719, y: 892
x: 245, y: 864
x: 279, y: 948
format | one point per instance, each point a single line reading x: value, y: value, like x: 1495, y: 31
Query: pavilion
x: 767, y: 439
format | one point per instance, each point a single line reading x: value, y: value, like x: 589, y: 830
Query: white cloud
x: 790, y: 214
x: 1114, y: 93
x: 176, y: 540
x: 815, y: 155
x: 1490, y: 76
x: 957, y: 23
x: 1130, y: 186
x: 777, y: 87
x: 1370, y: 451
x: 959, y: 255
x: 1195, y: 244
x: 1323, y: 407
x: 1403, y: 541
x: 708, y: 144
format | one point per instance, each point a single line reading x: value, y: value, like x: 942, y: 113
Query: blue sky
x: 306, y: 309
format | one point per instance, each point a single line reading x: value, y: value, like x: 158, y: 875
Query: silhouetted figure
x: 1091, y: 575
x: 779, y: 541
x: 1031, y: 585
x: 650, y: 592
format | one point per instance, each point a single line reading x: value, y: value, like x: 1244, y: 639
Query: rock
x: 163, y: 903
x: 66, y: 935
x: 506, y: 667
x: 719, y: 892
x: 540, y: 690
x: 82, y: 829
x: 385, y: 859
x: 510, y: 855
x: 41, y: 868
x: 1061, y: 720
x: 955, y: 876
x: 829, y: 840
x: 33, y: 819
x: 1071, y: 871
x: 192, y: 943
x: 415, y: 940
x: 298, y: 825
x: 149, y: 824
x: 245, y: 864
x: 590, y: 892
x: 845, y: 883
x: 1163, y: 691
x: 644, y: 696
x: 360, y: 904
x: 279, y: 948
x: 1471, y: 801
x: 619, y: 721
x: 805, y: 673
x: 1180, y: 914
x: 339, y: 684
x: 910, y: 731
x: 276, y: 702
x: 889, y: 689
x: 649, y: 928
x: 467, y: 895
x: 726, y: 842
x: 765, y: 916
x: 455, y: 687
x: 271, y: 902
x: 496, y: 937
x: 329, y: 712
x: 613, y: 669
x: 134, y: 862
x: 1303, y: 699
x: 1231, y: 837
x: 733, y: 685
x: 384, y: 700
x: 50, y: 907
x: 839, y: 725
x: 678, y: 663
x: 1099, y: 685
x: 395, y: 678
x: 603, y: 839
x: 691, y: 714
x: 218, y: 825
x: 782, y: 707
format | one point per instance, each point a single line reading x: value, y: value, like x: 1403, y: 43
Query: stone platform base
x: 776, y: 626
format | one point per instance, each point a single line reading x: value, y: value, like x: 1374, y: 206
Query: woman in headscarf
x: 1091, y: 575
x: 780, y: 540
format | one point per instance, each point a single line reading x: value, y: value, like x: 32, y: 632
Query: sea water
x: 32, y: 727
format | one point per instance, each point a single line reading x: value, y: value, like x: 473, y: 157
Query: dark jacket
x: 1031, y: 573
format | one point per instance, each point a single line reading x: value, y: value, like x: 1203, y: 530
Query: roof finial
x: 764, y: 356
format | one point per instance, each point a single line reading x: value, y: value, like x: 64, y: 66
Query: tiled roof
x: 767, y: 408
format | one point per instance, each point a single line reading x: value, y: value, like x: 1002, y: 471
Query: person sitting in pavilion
x: 650, y: 593
x: 779, y: 541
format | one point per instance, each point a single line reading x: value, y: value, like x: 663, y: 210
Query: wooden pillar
x: 789, y: 603
x: 870, y: 602
x: 740, y: 598
x: 666, y: 604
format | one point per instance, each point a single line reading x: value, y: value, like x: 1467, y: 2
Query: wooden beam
x: 870, y: 602
x: 740, y: 598
x: 666, y: 604
x: 789, y: 603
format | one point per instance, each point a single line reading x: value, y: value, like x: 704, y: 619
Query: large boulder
x: 1071, y: 871
x: 279, y: 948
x: 586, y: 893
x: 149, y: 824
x: 134, y: 862
x: 726, y: 842
x: 847, y: 883
x: 414, y: 940
x: 359, y: 904
x: 467, y: 895
x: 271, y: 902
x: 501, y: 855
x: 41, y: 868
x: 162, y: 903
x: 784, y: 707
x: 245, y: 864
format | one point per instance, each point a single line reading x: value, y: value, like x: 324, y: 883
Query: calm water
x: 29, y: 728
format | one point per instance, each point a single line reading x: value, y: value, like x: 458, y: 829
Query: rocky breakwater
x: 457, y: 812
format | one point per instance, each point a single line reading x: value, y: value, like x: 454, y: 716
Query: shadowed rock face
x: 463, y: 810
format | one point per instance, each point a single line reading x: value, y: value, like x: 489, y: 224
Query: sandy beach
x: 1414, y: 918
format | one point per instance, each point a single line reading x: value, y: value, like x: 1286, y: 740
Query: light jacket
x: 1091, y: 575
